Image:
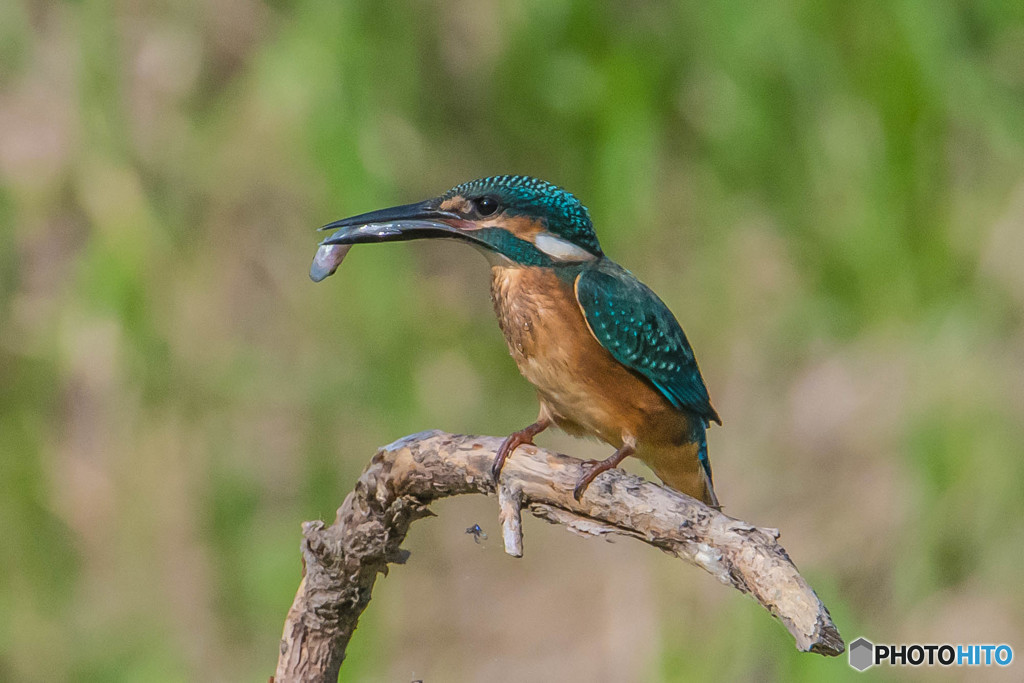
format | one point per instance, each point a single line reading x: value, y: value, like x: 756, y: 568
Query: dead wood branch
x: 342, y: 561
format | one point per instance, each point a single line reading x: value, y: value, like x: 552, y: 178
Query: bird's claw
x: 496, y: 466
x: 507, y: 446
x: 514, y: 441
x: 592, y: 470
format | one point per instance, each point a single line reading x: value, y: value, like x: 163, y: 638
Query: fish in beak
x: 398, y: 224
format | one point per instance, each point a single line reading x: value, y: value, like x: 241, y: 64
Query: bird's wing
x: 638, y: 329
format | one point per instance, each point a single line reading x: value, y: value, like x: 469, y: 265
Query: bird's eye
x: 486, y: 206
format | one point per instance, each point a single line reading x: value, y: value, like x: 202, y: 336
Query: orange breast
x: 579, y: 384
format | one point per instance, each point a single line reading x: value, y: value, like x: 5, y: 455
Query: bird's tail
x: 685, y: 468
x: 705, y: 468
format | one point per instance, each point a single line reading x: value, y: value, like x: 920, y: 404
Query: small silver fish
x: 328, y: 258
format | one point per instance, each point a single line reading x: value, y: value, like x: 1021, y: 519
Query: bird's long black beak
x: 397, y: 224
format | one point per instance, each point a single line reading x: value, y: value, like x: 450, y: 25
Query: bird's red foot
x: 596, y: 467
x: 514, y: 441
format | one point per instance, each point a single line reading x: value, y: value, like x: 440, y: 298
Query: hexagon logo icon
x: 862, y: 654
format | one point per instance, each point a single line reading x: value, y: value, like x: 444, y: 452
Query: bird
x: 607, y: 357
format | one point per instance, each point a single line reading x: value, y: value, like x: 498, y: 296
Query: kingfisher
x: 605, y: 354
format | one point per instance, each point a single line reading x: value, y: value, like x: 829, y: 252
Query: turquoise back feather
x: 639, y: 331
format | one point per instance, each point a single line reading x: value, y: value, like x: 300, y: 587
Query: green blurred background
x: 830, y: 196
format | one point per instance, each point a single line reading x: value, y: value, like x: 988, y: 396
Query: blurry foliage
x: 830, y: 195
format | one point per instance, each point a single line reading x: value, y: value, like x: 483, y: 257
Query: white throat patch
x: 560, y: 249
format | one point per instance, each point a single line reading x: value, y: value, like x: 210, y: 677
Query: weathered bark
x: 342, y: 561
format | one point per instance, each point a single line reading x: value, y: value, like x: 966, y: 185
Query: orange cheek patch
x: 522, y: 227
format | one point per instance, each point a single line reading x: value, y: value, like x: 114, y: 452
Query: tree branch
x: 341, y: 561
